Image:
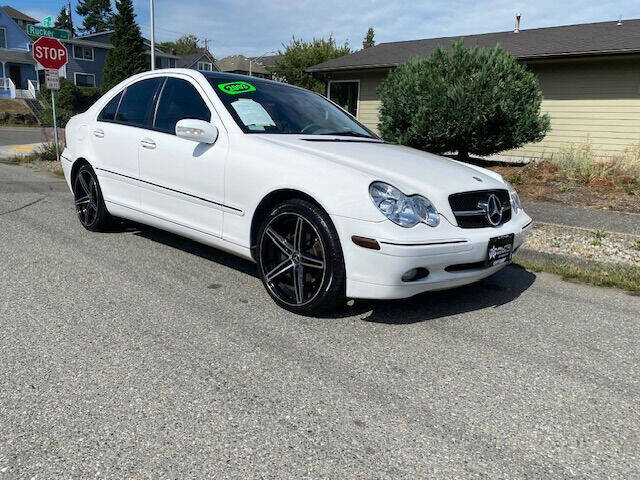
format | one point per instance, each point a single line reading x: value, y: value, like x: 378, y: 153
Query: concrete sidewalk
x: 582, y: 217
x: 9, y: 151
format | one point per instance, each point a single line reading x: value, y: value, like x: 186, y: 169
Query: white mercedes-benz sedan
x: 284, y: 177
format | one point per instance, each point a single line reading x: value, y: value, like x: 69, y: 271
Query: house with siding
x: 589, y: 75
x: 87, y: 55
x: 202, y: 61
x: 22, y: 19
x: 17, y: 67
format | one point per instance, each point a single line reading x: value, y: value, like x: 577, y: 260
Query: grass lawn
x: 13, y: 106
x: 599, y: 274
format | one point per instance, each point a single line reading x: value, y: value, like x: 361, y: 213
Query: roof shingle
x: 570, y: 40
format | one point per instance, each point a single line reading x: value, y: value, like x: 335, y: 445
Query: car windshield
x: 269, y: 107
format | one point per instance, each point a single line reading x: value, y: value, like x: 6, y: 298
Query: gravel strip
x: 585, y: 244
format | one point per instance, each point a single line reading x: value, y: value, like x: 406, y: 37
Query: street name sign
x: 42, y: 31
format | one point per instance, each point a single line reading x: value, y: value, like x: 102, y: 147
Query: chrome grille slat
x: 465, y: 207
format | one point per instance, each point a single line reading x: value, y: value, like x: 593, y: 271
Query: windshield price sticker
x: 234, y: 88
x: 252, y: 114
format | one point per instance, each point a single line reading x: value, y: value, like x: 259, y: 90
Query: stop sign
x: 50, y: 53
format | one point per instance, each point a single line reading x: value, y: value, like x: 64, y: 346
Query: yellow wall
x: 588, y: 100
x: 595, y: 101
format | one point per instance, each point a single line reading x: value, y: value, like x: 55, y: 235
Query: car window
x: 108, y: 113
x: 179, y: 99
x: 270, y: 107
x: 136, y: 107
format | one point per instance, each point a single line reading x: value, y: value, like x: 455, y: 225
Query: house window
x: 85, y: 79
x: 82, y: 53
x: 3, y: 38
x: 205, y: 66
x: 345, y: 94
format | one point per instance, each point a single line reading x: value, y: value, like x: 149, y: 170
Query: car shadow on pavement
x: 191, y: 246
x: 492, y: 292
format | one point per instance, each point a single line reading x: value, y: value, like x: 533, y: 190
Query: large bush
x: 70, y: 100
x: 466, y: 100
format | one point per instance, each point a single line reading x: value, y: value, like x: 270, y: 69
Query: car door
x: 115, y: 138
x: 183, y: 179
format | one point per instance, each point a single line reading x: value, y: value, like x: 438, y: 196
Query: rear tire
x: 90, y: 207
x: 300, y: 258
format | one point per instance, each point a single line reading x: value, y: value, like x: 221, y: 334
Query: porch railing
x: 7, y: 84
x: 33, y: 88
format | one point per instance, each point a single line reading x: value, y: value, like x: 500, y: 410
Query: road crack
x: 23, y: 206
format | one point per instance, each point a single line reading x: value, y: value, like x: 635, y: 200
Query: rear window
x: 136, y: 107
x: 108, y: 113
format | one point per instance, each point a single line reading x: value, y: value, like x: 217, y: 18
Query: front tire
x: 300, y: 258
x: 90, y: 207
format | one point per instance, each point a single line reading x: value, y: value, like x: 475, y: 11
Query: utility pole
x: 153, y: 39
x: 70, y: 17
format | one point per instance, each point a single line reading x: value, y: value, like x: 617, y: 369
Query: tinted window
x: 136, y: 107
x: 108, y: 113
x: 179, y: 99
x: 260, y: 106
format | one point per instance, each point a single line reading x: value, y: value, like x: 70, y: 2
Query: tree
x: 127, y: 57
x: 368, y: 39
x: 185, y: 45
x: 299, y: 55
x: 467, y: 100
x: 97, y: 15
x: 64, y: 21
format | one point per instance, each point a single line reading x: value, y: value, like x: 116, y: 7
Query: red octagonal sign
x: 50, y: 53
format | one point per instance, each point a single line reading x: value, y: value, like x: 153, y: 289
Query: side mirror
x: 196, y: 131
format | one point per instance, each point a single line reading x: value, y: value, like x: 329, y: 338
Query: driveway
x: 138, y: 354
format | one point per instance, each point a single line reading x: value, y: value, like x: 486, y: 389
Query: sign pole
x: 55, y: 124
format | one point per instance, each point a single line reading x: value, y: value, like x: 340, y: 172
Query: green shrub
x: 62, y: 116
x: 47, y: 152
x: 70, y: 100
x: 467, y: 100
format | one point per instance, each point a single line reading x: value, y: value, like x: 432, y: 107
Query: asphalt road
x: 20, y: 135
x: 137, y: 354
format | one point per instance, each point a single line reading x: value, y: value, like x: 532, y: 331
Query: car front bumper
x: 453, y: 256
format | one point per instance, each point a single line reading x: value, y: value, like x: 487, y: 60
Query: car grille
x: 469, y: 214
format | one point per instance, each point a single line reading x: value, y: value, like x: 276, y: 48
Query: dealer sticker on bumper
x: 500, y: 250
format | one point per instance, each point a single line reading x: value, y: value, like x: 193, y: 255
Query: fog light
x: 415, y: 274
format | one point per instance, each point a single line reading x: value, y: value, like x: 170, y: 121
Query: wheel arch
x: 79, y: 162
x: 268, y: 202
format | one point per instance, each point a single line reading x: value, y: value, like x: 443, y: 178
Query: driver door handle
x: 98, y: 132
x: 148, y: 143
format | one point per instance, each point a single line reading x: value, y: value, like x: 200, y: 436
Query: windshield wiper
x: 349, y: 133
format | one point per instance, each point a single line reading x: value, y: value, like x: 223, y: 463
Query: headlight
x: 403, y: 210
x: 515, y: 198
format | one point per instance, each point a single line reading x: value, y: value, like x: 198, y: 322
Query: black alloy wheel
x: 300, y: 258
x: 90, y: 207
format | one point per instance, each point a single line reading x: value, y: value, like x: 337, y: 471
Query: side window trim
x: 147, y: 125
x: 157, y: 104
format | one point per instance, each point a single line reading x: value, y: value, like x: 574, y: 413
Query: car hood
x: 410, y: 170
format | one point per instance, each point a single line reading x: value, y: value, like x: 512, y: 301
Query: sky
x: 257, y: 27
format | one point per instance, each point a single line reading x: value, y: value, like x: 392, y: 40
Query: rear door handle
x: 148, y: 143
x: 98, y: 132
